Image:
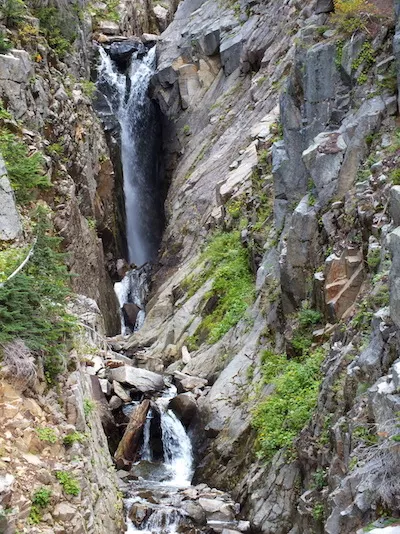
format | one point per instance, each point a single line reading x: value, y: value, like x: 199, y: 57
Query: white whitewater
x: 132, y: 108
x: 146, y: 453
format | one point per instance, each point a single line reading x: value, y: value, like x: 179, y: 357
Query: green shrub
x: 24, y: 171
x: 283, y: 414
x: 74, y: 437
x: 68, y: 482
x: 395, y: 176
x: 186, y: 130
x: 59, y: 28
x: 318, y: 512
x: 5, y: 44
x: 32, y: 304
x: 41, y: 497
x: 88, y: 88
x: 13, y: 12
x: 309, y: 317
x: 47, y: 434
x: 88, y: 406
x: 352, y: 15
x: 227, y: 263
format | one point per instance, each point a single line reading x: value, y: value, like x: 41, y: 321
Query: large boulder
x: 140, y: 379
x: 121, y: 52
x: 185, y: 407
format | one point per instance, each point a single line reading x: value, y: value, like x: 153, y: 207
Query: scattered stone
x: 141, y: 379
x: 185, y: 407
x: 377, y: 167
x: 115, y: 403
x: 195, y: 511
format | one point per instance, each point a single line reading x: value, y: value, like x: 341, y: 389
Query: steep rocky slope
x: 282, y: 135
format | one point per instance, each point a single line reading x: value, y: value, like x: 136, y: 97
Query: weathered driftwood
x: 129, y: 444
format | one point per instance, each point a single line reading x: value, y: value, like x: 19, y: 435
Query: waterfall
x: 177, y: 449
x: 126, y: 95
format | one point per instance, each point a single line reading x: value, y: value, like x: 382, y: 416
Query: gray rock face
x: 141, y: 379
x: 395, y: 204
x: 230, y: 51
x: 323, y: 160
x: 10, y: 224
x: 394, y: 245
x: 324, y: 6
x: 209, y: 43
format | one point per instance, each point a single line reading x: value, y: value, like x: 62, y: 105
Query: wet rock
x: 121, y: 52
x: 217, y: 510
x: 10, y: 224
x: 195, y: 511
x: 139, y: 513
x: 129, y: 444
x: 130, y: 311
x: 141, y: 379
x: 185, y: 407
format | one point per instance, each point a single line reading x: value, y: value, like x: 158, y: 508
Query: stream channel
x: 157, y: 482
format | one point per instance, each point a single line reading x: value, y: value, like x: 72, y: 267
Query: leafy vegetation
x: 226, y: 261
x: 32, y: 304
x: 13, y: 12
x: 281, y: 416
x: 25, y: 170
x: 68, y: 482
x: 40, y: 500
x: 74, y: 437
x: 352, y: 15
x: 59, y: 28
x: 47, y: 434
x: 5, y: 44
x: 88, y: 406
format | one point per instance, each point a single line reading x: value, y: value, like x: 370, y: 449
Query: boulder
x: 141, y: 379
x: 230, y: 51
x: 185, y: 407
x: 217, y: 510
x: 161, y: 14
x: 122, y: 393
x: 138, y: 513
x: 10, y: 224
x: 130, y: 311
x: 195, y: 512
x: 128, y: 447
x: 209, y: 43
x: 64, y: 511
x: 324, y: 6
x: 105, y: 386
x: 115, y: 403
x: 121, y: 52
x: 108, y: 27
x: 188, y: 383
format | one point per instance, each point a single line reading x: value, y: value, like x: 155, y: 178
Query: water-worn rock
x: 141, y: 379
x: 185, y: 407
x: 195, y: 511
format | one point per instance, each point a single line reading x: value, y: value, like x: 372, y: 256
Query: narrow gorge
x: 199, y: 263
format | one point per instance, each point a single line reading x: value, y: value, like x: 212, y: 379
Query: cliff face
x: 282, y: 150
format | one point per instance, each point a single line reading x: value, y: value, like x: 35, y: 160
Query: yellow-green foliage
x: 352, y: 15
x: 226, y: 261
x: 283, y: 414
x: 68, y: 482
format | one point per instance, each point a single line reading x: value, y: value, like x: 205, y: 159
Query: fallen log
x: 128, y: 447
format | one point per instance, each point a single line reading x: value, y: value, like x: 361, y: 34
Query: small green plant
x: 88, y: 406
x: 318, y: 512
x: 47, y: 434
x: 74, y: 437
x: 68, y: 482
x: 41, y: 497
x: 319, y: 479
x: 59, y: 28
x: 5, y: 44
x: 309, y: 317
x: 186, y: 130
x: 395, y: 176
x: 88, y: 88
x: 4, y: 114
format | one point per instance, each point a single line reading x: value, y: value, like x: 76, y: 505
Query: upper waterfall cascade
x: 126, y: 96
